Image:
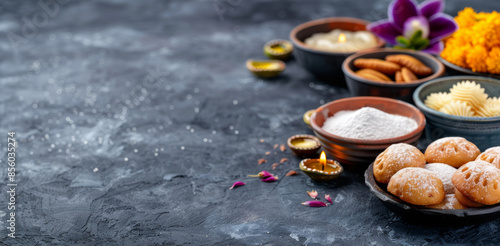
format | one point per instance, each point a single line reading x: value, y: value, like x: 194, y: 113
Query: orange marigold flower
x: 466, y: 18
x: 456, y: 54
x: 493, y: 61
x: 476, y: 44
x: 475, y: 59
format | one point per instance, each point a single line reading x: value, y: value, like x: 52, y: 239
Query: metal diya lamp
x: 322, y: 169
x: 265, y: 69
x: 304, y: 145
x: 307, y: 117
x: 278, y: 49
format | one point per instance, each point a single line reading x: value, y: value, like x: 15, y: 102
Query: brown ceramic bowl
x: 324, y: 64
x: 359, y: 86
x: 356, y: 154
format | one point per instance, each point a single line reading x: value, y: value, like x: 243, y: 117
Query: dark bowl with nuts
x: 393, y: 73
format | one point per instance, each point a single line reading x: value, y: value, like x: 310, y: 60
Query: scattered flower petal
x: 291, y: 173
x: 400, y: 10
x: 268, y: 152
x: 283, y: 160
x: 237, y: 184
x: 270, y: 179
x: 315, y: 204
x: 260, y: 161
x: 275, y: 165
x: 261, y: 140
x: 328, y: 198
x: 442, y: 26
x: 262, y: 175
x: 276, y: 146
x: 429, y: 8
x: 385, y: 30
x: 313, y: 194
x: 282, y: 148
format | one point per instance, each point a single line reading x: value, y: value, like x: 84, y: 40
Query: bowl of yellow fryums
x: 465, y: 106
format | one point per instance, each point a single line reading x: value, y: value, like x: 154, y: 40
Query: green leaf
x: 421, y: 43
x: 403, y: 41
x: 416, y: 35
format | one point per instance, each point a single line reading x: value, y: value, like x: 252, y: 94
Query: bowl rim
x: 349, y: 72
x: 420, y: 104
x: 466, y: 70
x: 296, y: 42
x: 421, y: 124
x: 387, y: 197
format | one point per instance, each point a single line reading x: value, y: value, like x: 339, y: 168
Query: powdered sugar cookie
x: 395, y: 158
x: 454, y: 151
x: 491, y: 155
x: 444, y: 172
x: 417, y: 186
x: 479, y: 181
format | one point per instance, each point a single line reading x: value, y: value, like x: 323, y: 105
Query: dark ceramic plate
x: 462, y: 70
x: 422, y: 214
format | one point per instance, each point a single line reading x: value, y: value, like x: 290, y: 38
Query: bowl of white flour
x: 355, y: 130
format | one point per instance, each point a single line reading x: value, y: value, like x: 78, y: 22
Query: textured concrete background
x: 133, y: 119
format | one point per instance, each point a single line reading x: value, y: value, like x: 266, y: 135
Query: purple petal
x: 442, y: 25
x: 384, y: 30
x: 270, y: 179
x: 265, y: 174
x: 434, y: 48
x: 429, y: 8
x: 400, y: 10
x: 313, y: 194
x: 414, y: 24
x: 237, y: 184
x: 262, y: 175
x: 315, y: 204
x: 328, y: 198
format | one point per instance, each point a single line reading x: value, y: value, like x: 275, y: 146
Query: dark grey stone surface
x: 134, y: 118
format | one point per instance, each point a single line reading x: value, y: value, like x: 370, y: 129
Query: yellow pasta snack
x: 457, y: 108
x: 437, y: 100
x: 493, y: 101
x: 466, y: 98
x: 488, y: 110
x: 470, y: 93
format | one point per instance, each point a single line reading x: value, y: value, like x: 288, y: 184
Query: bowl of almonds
x: 393, y: 73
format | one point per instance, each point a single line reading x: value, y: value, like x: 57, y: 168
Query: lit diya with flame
x: 322, y: 169
x: 342, y: 41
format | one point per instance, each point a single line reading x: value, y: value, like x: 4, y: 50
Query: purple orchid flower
x: 420, y: 27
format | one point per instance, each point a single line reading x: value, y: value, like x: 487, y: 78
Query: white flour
x: 369, y: 124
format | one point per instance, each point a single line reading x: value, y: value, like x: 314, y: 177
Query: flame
x: 322, y: 160
x: 342, y: 38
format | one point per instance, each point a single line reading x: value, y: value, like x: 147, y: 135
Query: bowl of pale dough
x: 325, y: 65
